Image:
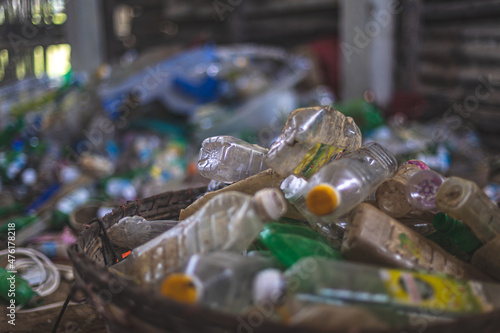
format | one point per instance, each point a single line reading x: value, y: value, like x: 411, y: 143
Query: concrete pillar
x: 367, y: 48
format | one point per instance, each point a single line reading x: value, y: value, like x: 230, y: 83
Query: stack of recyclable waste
x: 318, y: 231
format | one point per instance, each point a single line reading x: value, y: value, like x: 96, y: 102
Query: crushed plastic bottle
x: 228, y: 222
x: 341, y: 185
x: 375, y: 238
x: 390, y: 194
x: 465, y: 201
x: 220, y: 280
x: 311, y: 138
x: 228, y: 159
x: 343, y: 282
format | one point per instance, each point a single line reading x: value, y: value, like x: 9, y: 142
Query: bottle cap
x: 269, y: 285
x: 422, y: 188
x: 292, y: 186
x: 181, y: 287
x: 270, y: 203
x: 322, y: 199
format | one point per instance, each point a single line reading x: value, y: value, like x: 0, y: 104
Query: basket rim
x: 95, y: 279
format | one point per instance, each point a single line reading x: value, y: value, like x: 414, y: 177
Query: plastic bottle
x: 228, y: 159
x: 375, y: 238
x: 14, y: 287
x: 457, y: 232
x: 486, y: 258
x: 133, y: 231
x: 422, y: 188
x: 221, y: 280
x: 310, y: 139
x: 341, y: 185
x: 19, y: 221
x: 230, y: 222
x: 8, y: 210
x: 343, y: 282
x: 465, y: 201
x: 391, y: 194
x: 289, y: 243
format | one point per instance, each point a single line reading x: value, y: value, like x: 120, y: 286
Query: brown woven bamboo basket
x: 128, y: 307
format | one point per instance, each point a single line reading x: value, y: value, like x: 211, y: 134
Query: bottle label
x: 315, y: 158
x: 437, y: 294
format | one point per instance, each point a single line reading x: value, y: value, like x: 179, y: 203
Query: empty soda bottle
x: 375, y: 238
x: 221, y: 280
x: 422, y: 188
x: 344, y: 282
x: 228, y: 222
x: 341, y: 185
x: 457, y: 232
x: 228, y: 159
x: 391, y: 194
x: 289, y: 243
x: 465, y: 201
x: 310, y: 139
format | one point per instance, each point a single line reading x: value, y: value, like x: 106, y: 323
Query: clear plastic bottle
x: 133, y: 231
x: 310, y: 139
x: 228, y: 159
x: 465, y: 201
x: 221, y: 280
x: 375, y: 238
x: 343, y: 282
x: 230, y: 222
x: 341, y: 185
x: 390, y: 195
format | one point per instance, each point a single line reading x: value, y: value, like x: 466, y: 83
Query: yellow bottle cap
x: 180, y: 287
x: 322, y: 199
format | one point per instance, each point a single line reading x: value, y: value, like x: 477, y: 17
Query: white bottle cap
x: 292, y: 186
x: 269, y: 285
x: 270, y: 203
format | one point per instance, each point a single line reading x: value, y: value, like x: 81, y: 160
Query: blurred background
x: 107, y: 101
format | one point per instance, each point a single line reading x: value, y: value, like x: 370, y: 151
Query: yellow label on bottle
x: 315, y: 158
x: 435, y: 293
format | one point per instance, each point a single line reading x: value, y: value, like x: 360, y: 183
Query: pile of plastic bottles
x: 320, y: 226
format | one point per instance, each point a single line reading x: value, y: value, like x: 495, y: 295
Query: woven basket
x: 128, y: 307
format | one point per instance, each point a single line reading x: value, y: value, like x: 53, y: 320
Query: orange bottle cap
x: 322, y: 199
x: 180, y: 287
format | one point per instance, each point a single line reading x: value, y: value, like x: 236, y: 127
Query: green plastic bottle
x: 11, y: 209
x: 14, y: 287
x: 19, y: 222
x: 457, y: 232
x: 366, y: 115
x: 291, y: 242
